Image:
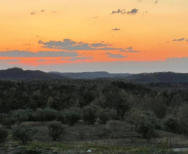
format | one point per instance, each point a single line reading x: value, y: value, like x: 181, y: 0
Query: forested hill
x: 92, y: 75
x: 20, y: 74
x: 160, y: 77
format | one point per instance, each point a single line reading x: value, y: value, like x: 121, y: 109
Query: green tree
x: 55, y: 130
x: 89, y: 114
x: 72, y: 115
x: 22, y: 133
x: 3, y: 135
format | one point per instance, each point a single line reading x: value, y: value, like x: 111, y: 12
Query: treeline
x: 144, y: 107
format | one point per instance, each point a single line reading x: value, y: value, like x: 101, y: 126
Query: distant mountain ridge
x: 159, y: 77
x: 20, y: 74
x: 163, y: 77
x: 92, y: 75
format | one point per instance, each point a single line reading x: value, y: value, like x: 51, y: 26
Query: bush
x: 146, y: 129
x: 21, y: 115
x: 3, y: 135
x: 50, y: 114
x: 22, y: 133
x: 89, y: 114
x: 47, y: 114
x: 182, y: 119
x: 55, y: 130
x: 145, y: 123
x: 105, y: 115
x: 171, y: 124
x: 72, y: 115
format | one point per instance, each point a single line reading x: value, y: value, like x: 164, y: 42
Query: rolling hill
x: 159, y: 77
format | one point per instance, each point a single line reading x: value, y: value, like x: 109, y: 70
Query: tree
x: 55, y: 130
x: 145, y: 123
x: 117, y: 99
x: 72, y: 115
x: 22, y: 133
x: 171, y: 124
x: 183, y: 118
x: 89, y: 114
x: 3, y: 135
x: 105, y: 115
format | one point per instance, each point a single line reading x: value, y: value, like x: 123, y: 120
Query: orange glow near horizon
x: 150, y: 31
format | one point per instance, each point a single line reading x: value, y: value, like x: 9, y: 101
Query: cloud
x: 99, y: 45
x: 112, y: 55
x: 133, y: 11
x: 32, y: 13
x: 130, y: 49
x: 81, y: 58
x: 17, y: 53
x: 123, y: 11
x: 179, y: 39
x: 116, y: 29
x: 119, y: 11
x: 42, y: 11
x: 68, y: 44
x: 182, y: 39
x: 156, y: 1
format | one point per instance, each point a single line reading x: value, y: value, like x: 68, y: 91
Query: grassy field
x: 97, y: 139
x: 81, y: 147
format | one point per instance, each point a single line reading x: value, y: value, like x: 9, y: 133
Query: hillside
x: 158, y: 77
x: 20, y: 74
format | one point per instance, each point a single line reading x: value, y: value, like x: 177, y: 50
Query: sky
x: 131, y: 36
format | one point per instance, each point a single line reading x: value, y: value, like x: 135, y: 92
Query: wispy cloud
x: 182, y: 39
x: 42, y: 11
x: 130, y: 49
x: 32, y: 13
x: 112, y: 55
x: 133, y: 11
x: 68, y: 44
x: 123, y: 11
x: 156, y: 1
x: 17, y: 53
x: 81, y: 58
x: 116, y: 29
x: 153, y: 1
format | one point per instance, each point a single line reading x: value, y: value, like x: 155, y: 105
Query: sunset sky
x: 94, y: 35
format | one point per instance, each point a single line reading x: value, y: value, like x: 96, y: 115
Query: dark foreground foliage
x: 109, y: 106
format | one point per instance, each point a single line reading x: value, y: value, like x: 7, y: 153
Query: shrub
x: 47, y: 114
x: 21, y: 115
x: 7, y: 121
x: 105, y: 115
x: 38, y: 115
x: 183, y: 118
x: 3, y: 135
x: 145, y: 123
x: 55, y: 130
x: 22, y: 133
x: 50, y: 114
x: 171, y: 124
x: 72, y: 115
x: 89, y: 114
x: 146, y: 129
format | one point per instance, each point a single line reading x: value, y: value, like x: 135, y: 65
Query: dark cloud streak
x: 70, y: 45
x: 133, y: 11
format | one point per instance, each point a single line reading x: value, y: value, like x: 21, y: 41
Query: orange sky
x: 155, y: 32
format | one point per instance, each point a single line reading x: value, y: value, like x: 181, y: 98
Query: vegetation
x: 22, y: 133
x: 3, y: 135
x: 102, y: 110
x: 55, y: 130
